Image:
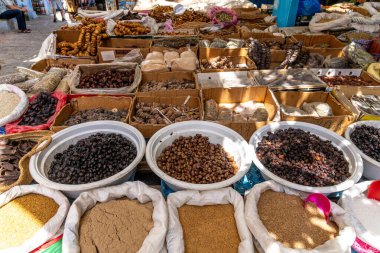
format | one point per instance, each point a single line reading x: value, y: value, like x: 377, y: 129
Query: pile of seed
x: 108, y: 79
x: 302, y: 158
x: 11, y: 151
x: 96, y: 114
x: 92, y: 159
x: 292, y: 223
x: 195, y: 160
x: 40, y: 110
x: 367, y: 139
x: 9, y: 102
x: 167, y: 85
x: 22, y: 217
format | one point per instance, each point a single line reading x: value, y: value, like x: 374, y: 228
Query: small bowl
x: 321, y: 201
x: 374, y: 190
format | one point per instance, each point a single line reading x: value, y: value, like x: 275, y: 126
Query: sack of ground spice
x: 30, y: 215
x: 99, y: 218
x: 42, y: 110
x: 293, y: 225
x: 365, y: 216
x: 207, y: 221
x: 13, y: 103
x: 105, y: 78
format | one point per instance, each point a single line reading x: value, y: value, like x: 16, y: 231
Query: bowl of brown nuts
x: 306, y: 157
x: 198, y: 155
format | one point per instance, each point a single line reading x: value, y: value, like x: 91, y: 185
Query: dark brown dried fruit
x: 367, y: 139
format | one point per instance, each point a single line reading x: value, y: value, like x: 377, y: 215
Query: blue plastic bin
x: 286, y: 12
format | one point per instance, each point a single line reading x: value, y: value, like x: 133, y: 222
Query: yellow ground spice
x: 292, y: 224
x: 22, y: 217
x: 209, y: 228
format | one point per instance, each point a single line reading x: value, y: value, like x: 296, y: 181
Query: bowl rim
x: 191, y: 186
x: 354, y: 178
x: 101, y: 183
x: 351, y: 128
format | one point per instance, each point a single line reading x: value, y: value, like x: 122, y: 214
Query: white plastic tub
x: 348, y: 149
x: 40, y: 163
x: 231, y: 141
x: 371, y: 166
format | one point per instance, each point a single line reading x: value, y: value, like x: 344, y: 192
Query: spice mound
x: 22, y: 217
x: 195, y: 160
x: 209, y: 228
x: 92, y: 159
x: 167, y: 85
x: 367, y: 139
x: 11, y: 151
x: 292, y: 224
x: 108, y: 79
x: 9, y: 102
x: 96, y: 114
x: 115, y: 226
x: 40, y: 110
x: 302, y: 158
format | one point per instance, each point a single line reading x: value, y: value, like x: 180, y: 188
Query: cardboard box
x: 87, y: 103
x: 236, y: 60
x: 228, y: 79
x: 206, y: 52
x: 43, y: 64
x: 168, y: 76
x: 149, y: 130
x: 237, y: 95
x: 345, y: 93
x: 338, y: 123
x: 122, y: 46
x: 313, y: 44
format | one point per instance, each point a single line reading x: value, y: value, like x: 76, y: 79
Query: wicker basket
x: 39, y: 136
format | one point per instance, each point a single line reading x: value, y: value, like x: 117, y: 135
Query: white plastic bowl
x: 371, y: 166
x: 231, y: 141
x: 40, y: 163
x: 348, y: 149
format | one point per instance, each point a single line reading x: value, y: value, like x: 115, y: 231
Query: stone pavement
x: 17, y: 49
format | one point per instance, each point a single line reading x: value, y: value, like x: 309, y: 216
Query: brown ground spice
x: 288, y: 222
x: 209, y: 228
x: 22, y: 217
x: 115, y: 226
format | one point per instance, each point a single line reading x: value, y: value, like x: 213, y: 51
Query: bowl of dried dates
x: 306, y: 157
x: 198, y: 155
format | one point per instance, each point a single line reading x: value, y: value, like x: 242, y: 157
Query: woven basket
x: 23, y: 164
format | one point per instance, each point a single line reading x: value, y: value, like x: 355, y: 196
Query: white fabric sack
x: 48, y: 48
x: 175, y: 200
x: 347, y: 204
x: 366, y: 28
x: 155, y: 240
x: 20, y: 108
x: 341, y: 243
x: 154, y: 66
x: 50, y: 229
x: 372, y: 8
x: 341, y: 21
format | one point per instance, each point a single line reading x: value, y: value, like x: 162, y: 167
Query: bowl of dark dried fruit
x: 306, y: 157
x: 88, y: 156
x: 365, y: 135
x: 198, y: 155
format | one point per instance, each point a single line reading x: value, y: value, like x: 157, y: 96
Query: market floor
x: 18, y: 49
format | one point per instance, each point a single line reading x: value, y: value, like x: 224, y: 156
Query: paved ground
x: 18, y: 49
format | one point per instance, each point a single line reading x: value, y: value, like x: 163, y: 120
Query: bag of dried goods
x: 326, y: 21
x: 105, y: 78
x: 281, y: 222
x: 42, y: 110
x: 154, y: 66
x: 188, y: 54
x: 13, y: 78
x: 170, y: 56
x: 49, y: 82
x: 155, y: 55
x: 184, y: 64
x: 374, y: 71
x: 372, y: 8
x: 364, y: 215
x: 30, y: 215
x: 129, y: 216
x: 211, y: 110
x: 13, y: 103
x: 321, y: 109
x: 358, y: 55
x: 207, y: 221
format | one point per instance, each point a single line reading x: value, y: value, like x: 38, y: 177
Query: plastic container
x: 348, y: 149
x: 231, y: 141
x: 371, y: 166
x: 321, y: 201
x: 374, y: 190
x: 40, y: 162
x: 286, y: 12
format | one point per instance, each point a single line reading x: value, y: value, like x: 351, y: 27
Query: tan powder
x: 115, y: 226
x: 209, y: 228
x: 289, y: 222
x: 8, y: 102
x: 22, y: 217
